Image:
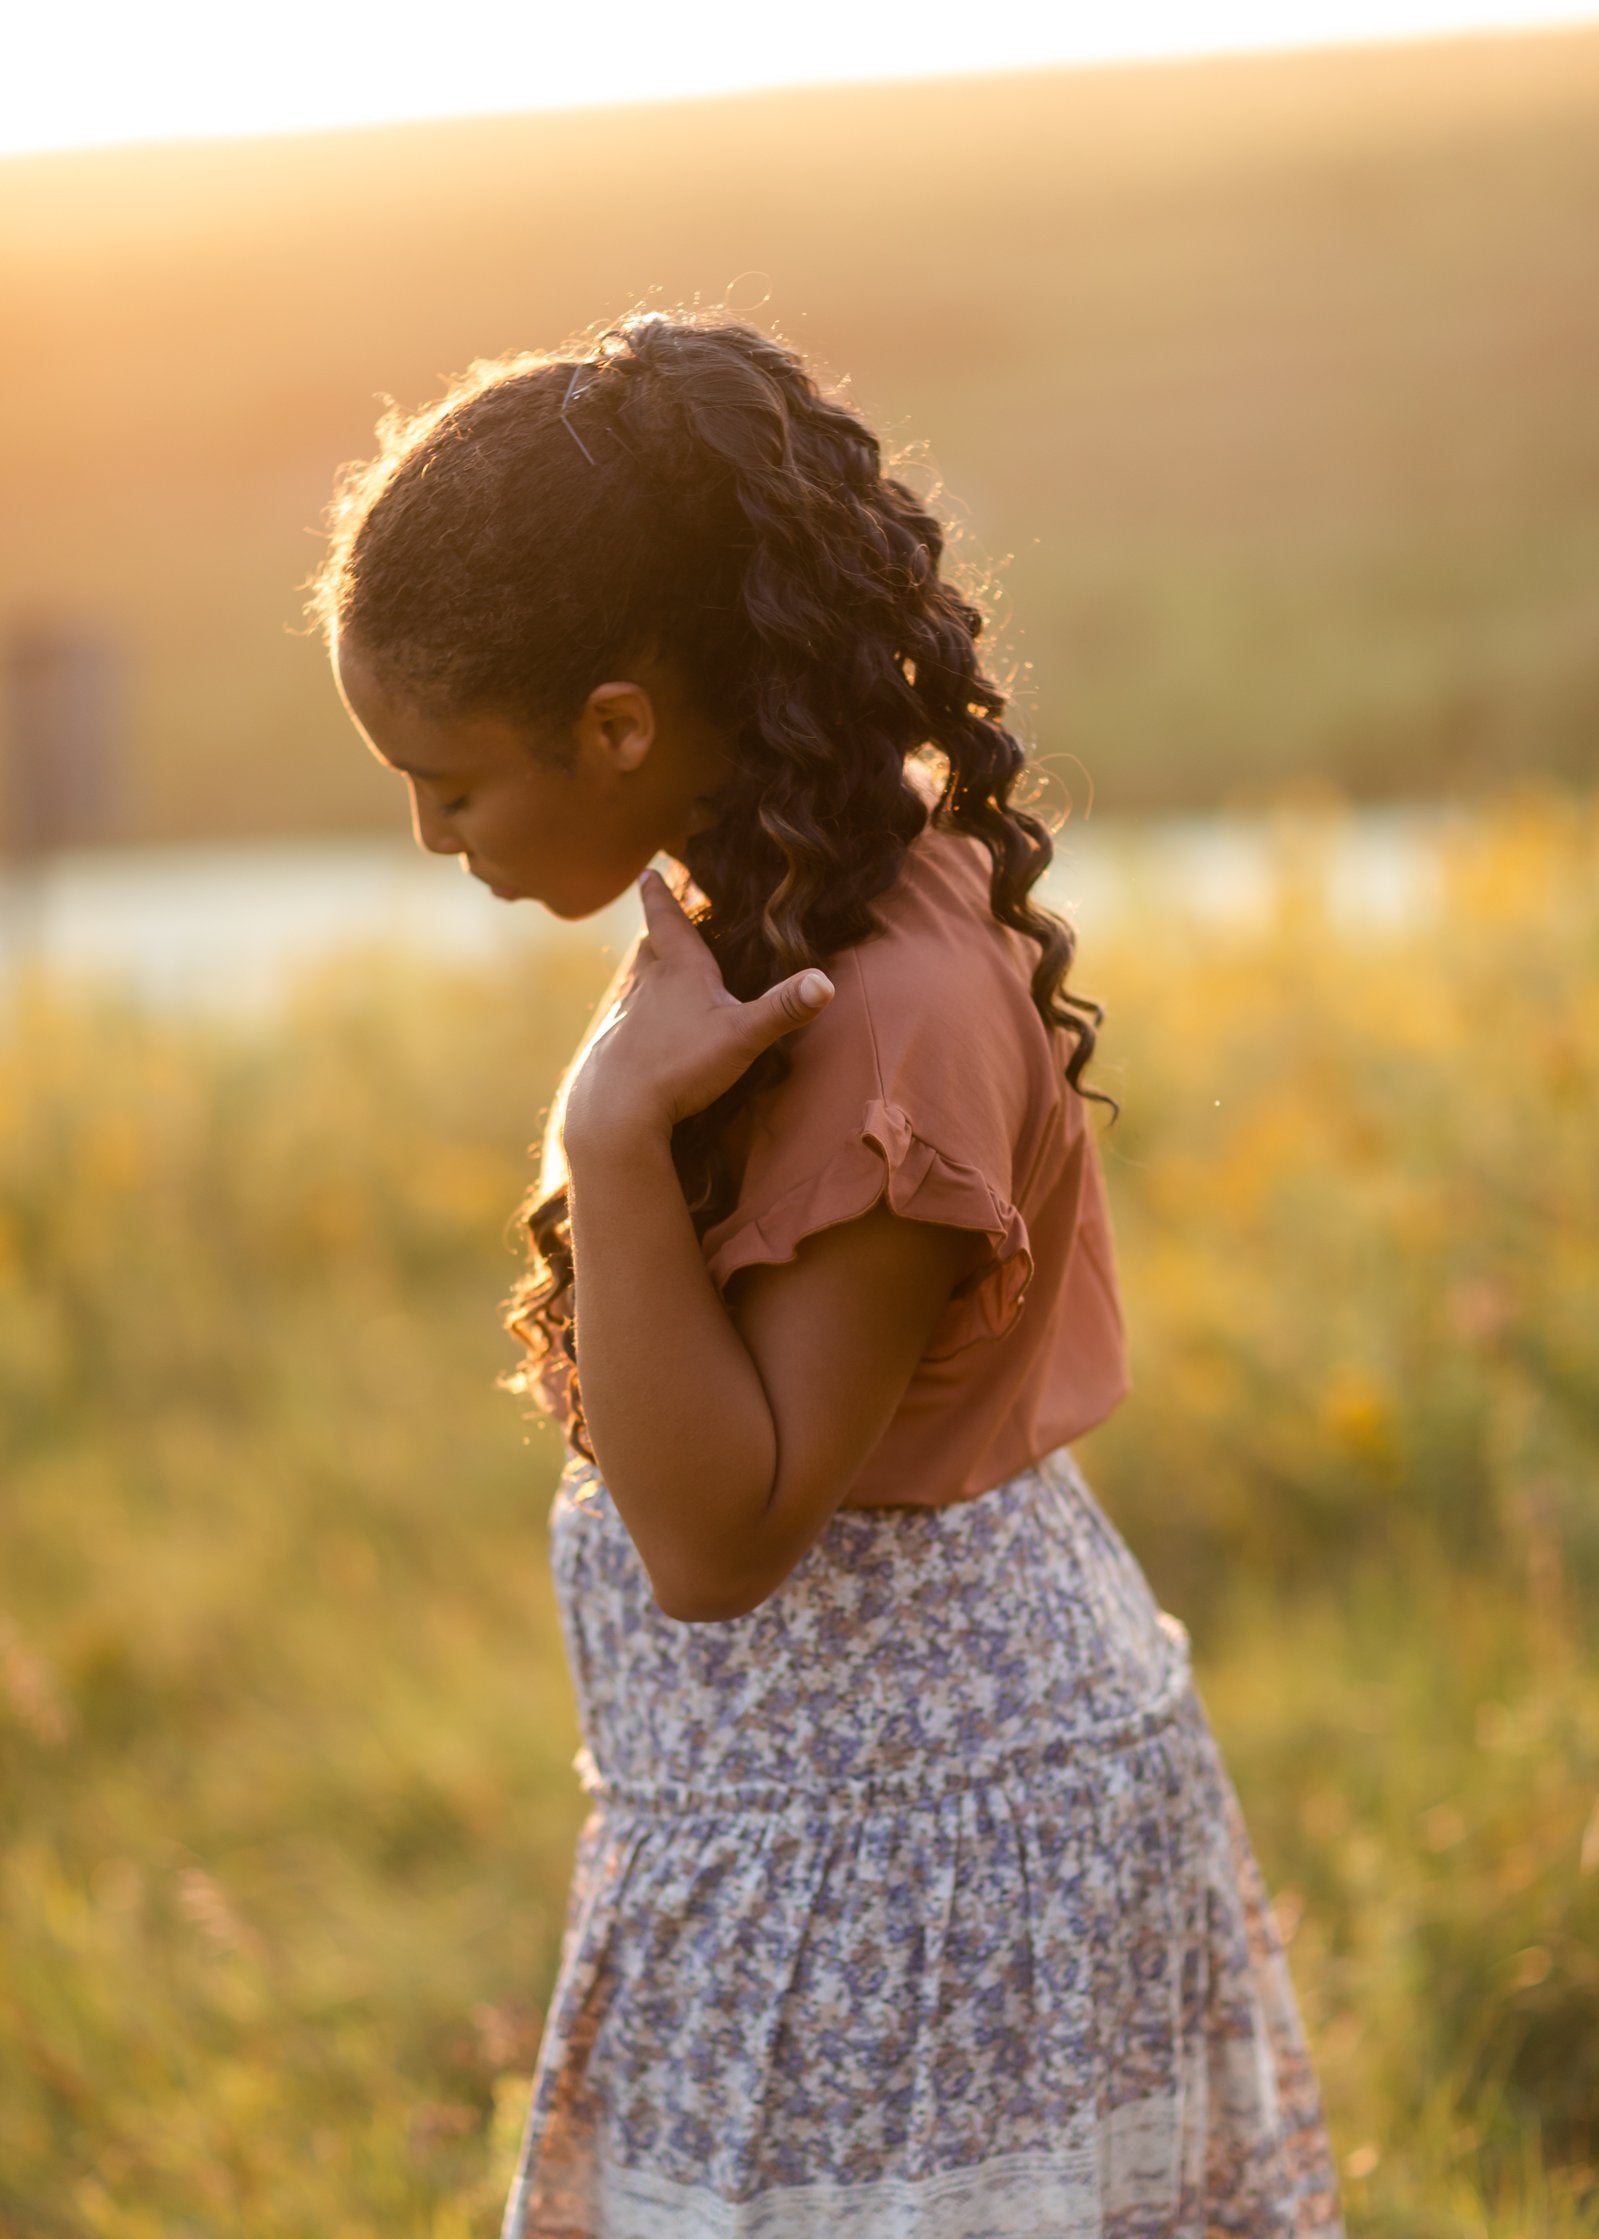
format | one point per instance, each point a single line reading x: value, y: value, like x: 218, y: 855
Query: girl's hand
x: 674, y: 1039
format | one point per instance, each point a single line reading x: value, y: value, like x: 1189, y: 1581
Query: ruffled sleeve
x: 911, y: 1090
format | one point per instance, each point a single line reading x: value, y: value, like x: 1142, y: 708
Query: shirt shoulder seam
x: 871, y: 1024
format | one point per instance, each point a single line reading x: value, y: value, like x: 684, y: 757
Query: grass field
x: 1262, y: 388
x: 285, y: 1794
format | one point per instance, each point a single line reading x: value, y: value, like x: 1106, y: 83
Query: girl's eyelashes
x: 453, y: 808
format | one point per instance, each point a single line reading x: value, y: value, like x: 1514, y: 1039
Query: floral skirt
x: 916, y: 1904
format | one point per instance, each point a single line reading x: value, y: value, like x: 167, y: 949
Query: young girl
x: 915, y: 1902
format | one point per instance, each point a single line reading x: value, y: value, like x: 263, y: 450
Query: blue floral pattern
x: 916, y: 1904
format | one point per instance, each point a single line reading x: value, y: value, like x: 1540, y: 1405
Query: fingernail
x: 815, y: 987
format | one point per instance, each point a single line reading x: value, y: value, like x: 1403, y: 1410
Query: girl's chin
x: 579, y: 896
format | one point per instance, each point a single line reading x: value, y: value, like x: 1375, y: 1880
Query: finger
x: 670, y: 930
x: 793, y: 1002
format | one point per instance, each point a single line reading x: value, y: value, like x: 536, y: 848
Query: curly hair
x: 680, y: 486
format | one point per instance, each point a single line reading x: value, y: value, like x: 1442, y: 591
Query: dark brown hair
x: 681, y: 486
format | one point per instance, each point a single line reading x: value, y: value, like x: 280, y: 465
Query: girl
x: 915, y: 1902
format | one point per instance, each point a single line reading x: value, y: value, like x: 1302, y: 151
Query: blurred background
x: 1254, y: 365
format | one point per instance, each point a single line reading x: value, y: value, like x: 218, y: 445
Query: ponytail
x: 684, y: 487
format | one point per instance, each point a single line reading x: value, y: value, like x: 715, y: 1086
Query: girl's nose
x: 430, y: 830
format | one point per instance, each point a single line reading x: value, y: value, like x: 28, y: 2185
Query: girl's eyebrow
x: 409, y: 769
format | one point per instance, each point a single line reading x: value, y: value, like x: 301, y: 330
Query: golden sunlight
x: 96, y: 74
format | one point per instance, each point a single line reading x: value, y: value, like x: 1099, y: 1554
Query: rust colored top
x: 932, y: 1078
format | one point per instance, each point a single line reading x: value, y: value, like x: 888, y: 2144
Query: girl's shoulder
x: 938, y: 916
x: 931, y: 1075
x: 942, y: 979
x: 933, y: 1016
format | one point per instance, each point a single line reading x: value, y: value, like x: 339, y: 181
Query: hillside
x: 1266, y: 382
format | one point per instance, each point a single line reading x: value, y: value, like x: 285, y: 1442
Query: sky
x: 82, y: 73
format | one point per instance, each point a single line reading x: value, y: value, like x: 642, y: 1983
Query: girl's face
x: 572, y: 833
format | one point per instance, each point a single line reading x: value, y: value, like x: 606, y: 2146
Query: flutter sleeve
x: 911, y: 1087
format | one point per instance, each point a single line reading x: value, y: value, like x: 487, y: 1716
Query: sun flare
x: 87, y: 75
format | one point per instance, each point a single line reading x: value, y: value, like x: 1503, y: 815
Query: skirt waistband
x: 911, y: 1655
x: 929, y: 1781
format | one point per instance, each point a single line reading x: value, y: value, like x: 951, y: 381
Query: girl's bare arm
x: 727, y: 1434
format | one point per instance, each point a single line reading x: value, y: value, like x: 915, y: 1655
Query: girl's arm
x: 726, y: 1437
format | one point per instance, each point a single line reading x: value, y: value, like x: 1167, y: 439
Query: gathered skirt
x: 916, y: 1904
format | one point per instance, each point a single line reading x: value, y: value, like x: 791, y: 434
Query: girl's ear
x: 617, y: 725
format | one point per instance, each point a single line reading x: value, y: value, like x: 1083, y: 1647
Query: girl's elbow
x: 699, y: 1599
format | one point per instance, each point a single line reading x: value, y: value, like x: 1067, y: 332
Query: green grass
x: 286, y: 1803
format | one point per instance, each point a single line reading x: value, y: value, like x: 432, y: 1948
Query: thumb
x: 791, y: 1003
